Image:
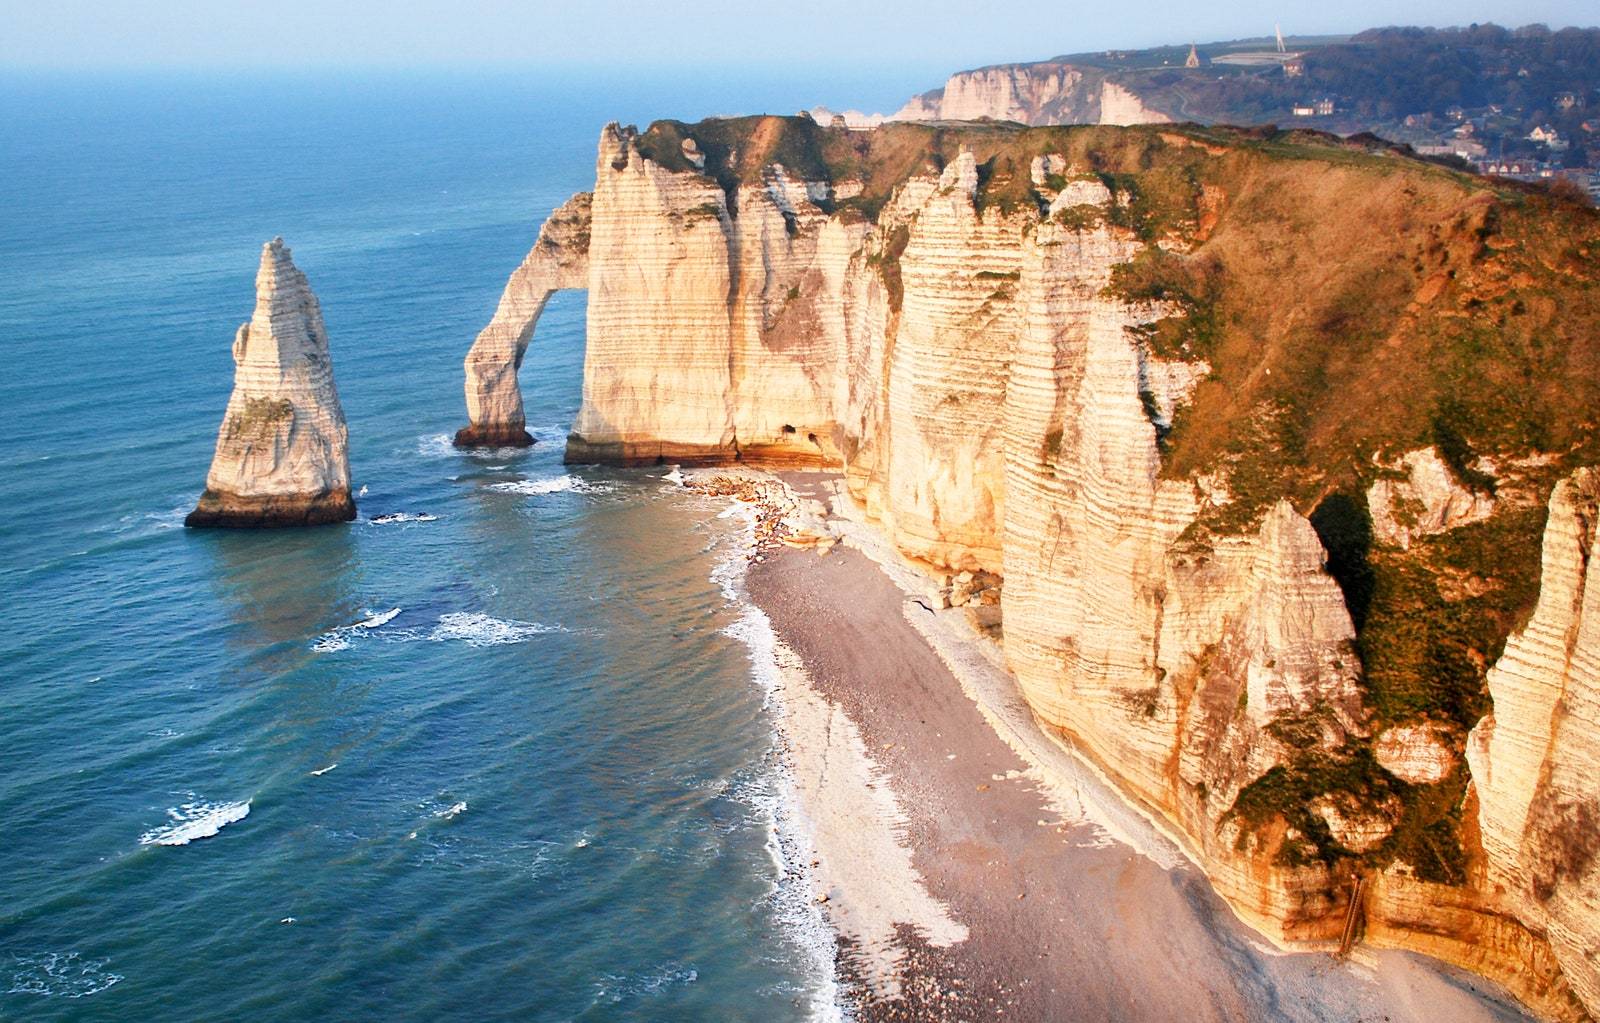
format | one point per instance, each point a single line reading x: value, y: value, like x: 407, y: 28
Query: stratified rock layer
x: 954, y: 327
x: 1536, y: 759
x: 281, y: 455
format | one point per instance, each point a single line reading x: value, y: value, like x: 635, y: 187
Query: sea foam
x: 339, y: 639
x: 553, y: 485
x: 58, y: 975
x: 396, y: 518
x: 614, y: 988
x: 480, y: 630
x: 436, y: 445
x: 774, y: 798
x: 473, y: 628
x: 193, y: 821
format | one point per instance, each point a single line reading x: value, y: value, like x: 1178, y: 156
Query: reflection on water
x: 281, y: 585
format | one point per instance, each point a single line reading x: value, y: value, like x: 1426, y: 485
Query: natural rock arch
x: 559, y: 259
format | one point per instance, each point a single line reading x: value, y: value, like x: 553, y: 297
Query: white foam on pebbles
x: 837, y: 825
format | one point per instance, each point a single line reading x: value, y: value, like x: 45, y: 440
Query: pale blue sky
x: 664, y: 34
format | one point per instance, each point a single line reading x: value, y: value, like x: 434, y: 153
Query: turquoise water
x: 552, y: 797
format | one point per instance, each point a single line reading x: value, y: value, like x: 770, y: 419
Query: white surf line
x: 864, y: 868
x: 837, y: 825
x: 324, y: 770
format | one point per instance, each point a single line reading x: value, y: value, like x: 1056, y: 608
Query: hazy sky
x: 672, y: 34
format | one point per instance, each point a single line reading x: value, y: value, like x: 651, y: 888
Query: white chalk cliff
x: 1419, y: 498
x: 281, y: 455
x: 1536, y: 759
x: 995, y: 406
x: 1049, y: 92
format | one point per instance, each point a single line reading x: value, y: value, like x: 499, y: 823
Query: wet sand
x: 996, y: 878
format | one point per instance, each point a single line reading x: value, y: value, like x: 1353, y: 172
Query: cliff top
x: 738, y: 149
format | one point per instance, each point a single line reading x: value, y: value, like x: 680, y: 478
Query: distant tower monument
x: 1194, y: 55
x: 1279, y: 30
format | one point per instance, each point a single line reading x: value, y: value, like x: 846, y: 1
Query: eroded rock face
x: 1536, y: 759
x: 559, y: 259
x: 1119, y: 105
x: 281, y: 451
x: 1424, y: 500
x: 1356, y: 825
x: 994, y: 412
x: 704, y: 341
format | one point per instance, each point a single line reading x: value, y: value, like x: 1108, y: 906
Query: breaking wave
x: 395, y: 518
x: 339, y: 639
x: 556, y: 485
x: 614, y: 989
x: 473, y: 628
x: 480, y: 630
x: 171, y: 518
x: 436, y: 445
x: 193, y: 821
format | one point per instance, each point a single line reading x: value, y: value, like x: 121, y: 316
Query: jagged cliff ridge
x: 1181, y: 398
x: 281, y: 451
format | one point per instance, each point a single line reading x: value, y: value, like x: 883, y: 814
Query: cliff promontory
x: 1254, y: 439
x: 280, y: 458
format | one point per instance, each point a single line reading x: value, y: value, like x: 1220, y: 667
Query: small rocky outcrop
x: 1420, y: 497
x: 281, y: 456
x: 1419, y: 754
x: 559, y: 259
x: 1357, y: 825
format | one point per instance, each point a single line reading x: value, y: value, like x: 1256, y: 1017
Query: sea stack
x: 281, y: 455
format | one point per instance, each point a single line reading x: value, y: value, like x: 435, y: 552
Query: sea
x: 496, y: 751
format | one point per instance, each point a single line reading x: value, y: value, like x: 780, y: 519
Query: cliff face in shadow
x: 1254, y: 435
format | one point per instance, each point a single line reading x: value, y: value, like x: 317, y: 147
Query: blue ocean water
x: 553, y: 796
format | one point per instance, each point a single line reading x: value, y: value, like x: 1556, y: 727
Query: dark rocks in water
x: 229, y: 511
x: 493, y: 435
